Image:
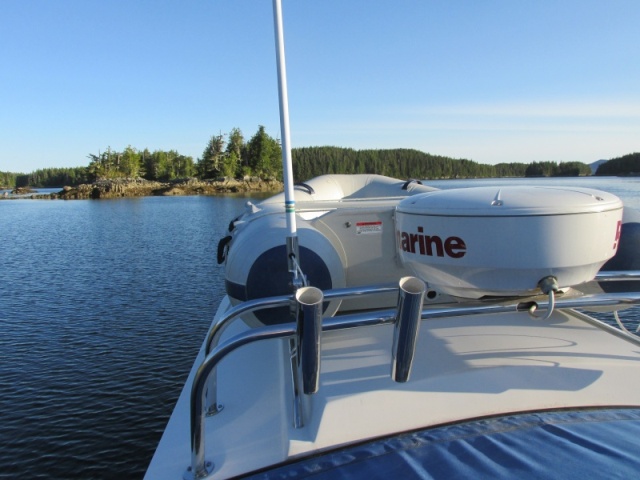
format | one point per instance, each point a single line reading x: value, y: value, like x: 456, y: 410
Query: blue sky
x: 491, y: 81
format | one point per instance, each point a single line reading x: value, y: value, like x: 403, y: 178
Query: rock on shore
x: 139, y: 187
x: 22, y: 191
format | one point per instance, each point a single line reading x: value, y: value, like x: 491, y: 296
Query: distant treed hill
x: 309, y: 162
x: 625, y: 165
x: 53, y: 177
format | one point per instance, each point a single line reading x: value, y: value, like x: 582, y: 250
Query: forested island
x: 627, y: 165
x: 229, y: 163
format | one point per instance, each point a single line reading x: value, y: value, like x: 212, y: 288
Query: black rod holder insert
x: 309, y: 331
x: 405, y: 335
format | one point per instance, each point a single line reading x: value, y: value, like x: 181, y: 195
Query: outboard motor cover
x: 502, y: 241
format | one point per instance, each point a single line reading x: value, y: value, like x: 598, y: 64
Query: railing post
x: 405, y: 334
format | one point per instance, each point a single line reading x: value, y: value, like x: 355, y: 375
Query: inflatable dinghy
x: 464, y: 243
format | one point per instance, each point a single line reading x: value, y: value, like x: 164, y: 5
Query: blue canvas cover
x: 584, y: 444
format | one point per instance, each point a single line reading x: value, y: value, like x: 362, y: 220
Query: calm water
x: 103, y: 306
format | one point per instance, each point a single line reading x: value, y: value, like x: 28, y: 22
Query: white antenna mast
x: 287, y: 167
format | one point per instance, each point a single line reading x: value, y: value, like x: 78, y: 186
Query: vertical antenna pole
x: 287, y: 168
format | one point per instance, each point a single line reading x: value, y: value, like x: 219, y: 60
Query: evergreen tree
x: 8, y: 179
x: 183, y: 166
x: 264, y: 155
x: 129, y: 162
x: 210, y: 165
x: 233, y: 161
x: 151, y: 165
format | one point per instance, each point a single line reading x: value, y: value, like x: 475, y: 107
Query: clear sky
x: 491, y: 81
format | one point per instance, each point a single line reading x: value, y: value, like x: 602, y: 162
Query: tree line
x: 625, y: 165
x: 224, y: 156
x: 229, y: 155
x: 553, y: 169
x: 406, y: 163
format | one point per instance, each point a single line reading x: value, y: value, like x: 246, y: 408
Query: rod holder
x: 309, y: 330
x: 405, y: 334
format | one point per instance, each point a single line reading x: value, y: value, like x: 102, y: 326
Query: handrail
x: 218, y: 328
x: 200, y: 468
x: 617, y: 275
x: 216, y: 331
x: 249, y: 306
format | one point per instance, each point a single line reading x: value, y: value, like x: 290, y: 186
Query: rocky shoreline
x: 139, y: 187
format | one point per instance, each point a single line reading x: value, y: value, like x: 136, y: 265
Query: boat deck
x: 464, y: 368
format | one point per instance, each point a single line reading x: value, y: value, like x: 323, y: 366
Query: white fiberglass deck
x: 464, y: 368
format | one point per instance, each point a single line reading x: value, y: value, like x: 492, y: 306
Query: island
x: 229, y: 165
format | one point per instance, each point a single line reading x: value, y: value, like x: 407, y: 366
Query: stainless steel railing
x: 217, y: 330
x: 617, y: 276
x: 306, y: 334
